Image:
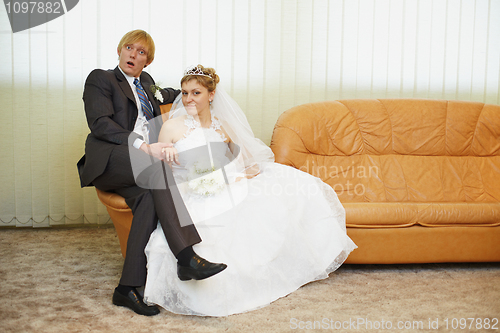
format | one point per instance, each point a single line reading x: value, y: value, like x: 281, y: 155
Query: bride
x: 276, y: 228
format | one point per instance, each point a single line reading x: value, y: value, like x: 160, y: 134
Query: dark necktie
x: 146, y: 106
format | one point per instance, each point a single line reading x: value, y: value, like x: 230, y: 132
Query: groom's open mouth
x: 130, y: 63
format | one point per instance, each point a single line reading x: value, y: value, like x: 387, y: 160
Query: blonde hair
x: 142, y: 36
x: 209, y: 79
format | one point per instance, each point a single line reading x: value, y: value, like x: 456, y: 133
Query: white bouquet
x: 205, y: 180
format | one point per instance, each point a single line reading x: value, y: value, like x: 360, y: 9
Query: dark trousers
x: 150, y: 205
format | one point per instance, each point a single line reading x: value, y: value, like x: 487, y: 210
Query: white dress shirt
x: 141, y: 124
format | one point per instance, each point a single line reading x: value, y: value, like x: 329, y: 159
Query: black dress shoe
x: 134, y: 302
x: 198, y: 269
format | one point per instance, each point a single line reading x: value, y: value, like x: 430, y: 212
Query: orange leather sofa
x: 419, y: 179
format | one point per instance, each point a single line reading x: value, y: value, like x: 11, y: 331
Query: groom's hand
x: 156, y: 149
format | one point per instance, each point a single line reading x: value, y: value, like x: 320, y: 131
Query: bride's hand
x: 252, y: 175
x: 252, y: 171
x: 171, y: 155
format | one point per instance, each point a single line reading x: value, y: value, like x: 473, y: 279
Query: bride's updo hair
x: 205, y: 76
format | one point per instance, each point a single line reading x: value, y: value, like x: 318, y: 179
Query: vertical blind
x: 271, y: 55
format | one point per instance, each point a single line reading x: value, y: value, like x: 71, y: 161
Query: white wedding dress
x: 276, y: 232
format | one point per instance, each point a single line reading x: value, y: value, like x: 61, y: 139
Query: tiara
x: 195, y: 70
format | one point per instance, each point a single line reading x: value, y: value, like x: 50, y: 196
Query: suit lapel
x: 146, y: 84
x: 124, y: 85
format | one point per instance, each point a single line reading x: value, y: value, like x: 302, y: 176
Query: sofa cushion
x: 432, y: 214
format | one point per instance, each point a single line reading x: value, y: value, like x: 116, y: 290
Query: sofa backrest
x: 393, y: 150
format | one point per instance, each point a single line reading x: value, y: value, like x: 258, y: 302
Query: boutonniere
x: 155, y: 89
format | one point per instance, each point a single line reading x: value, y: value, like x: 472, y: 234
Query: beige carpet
x: 61, y: 280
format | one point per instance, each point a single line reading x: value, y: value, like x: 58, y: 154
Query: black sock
x: 124, y: 290
x: 184, y: 257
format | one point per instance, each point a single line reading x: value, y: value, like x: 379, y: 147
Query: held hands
x: 162, y: 151
x: 171, y: 155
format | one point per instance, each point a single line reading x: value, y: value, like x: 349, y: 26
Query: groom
x: 120, y: 108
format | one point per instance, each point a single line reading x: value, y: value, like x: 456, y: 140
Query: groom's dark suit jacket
x: 111, y: 112
x: 111, y: 115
